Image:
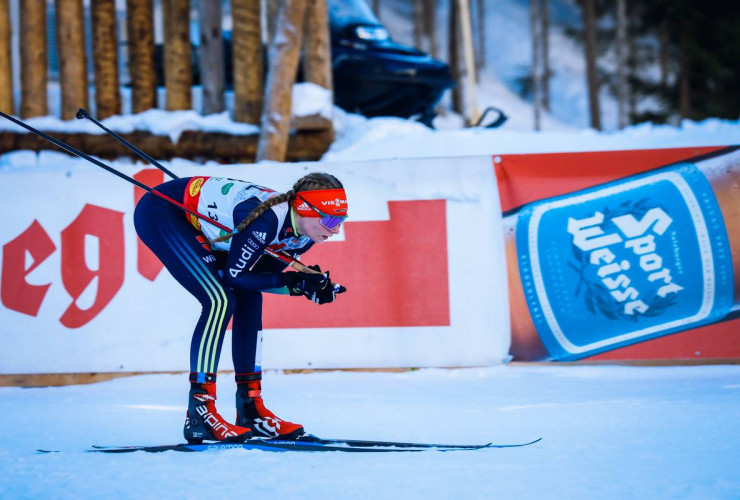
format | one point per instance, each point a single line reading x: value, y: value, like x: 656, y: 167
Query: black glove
x: 317, y: 288
x: 300, y: 283
x: 326, y: 295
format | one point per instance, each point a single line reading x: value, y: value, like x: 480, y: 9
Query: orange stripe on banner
x: 717, y: 341
x: 395, y: 272
x: 530, y: 177
x: 147, y: 263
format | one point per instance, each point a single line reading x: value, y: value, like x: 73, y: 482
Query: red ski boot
x: 203, y: 421
x: 251, y: 411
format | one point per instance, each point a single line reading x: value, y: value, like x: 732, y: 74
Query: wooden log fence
x: 141, y: 49
x: 303, y: 145
x: 33, y: 58
x: 72, y: 56
x: 247, y: 61
x: 211, y: 57
x: 266, y: 103
x: 105, y: 58
x: 6, y: 67
x: 178, y: 69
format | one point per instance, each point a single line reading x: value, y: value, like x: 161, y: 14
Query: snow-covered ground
x: 608, y: 432
x: 380, y: 138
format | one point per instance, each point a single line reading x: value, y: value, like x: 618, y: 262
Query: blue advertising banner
x: 623, y: 262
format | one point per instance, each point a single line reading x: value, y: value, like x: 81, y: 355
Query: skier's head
x: 319, y: 204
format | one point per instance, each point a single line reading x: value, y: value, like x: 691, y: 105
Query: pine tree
x: 697, y: 51
x: 592, y: 78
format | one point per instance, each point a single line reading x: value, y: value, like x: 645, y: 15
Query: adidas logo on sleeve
x: 260, y: 236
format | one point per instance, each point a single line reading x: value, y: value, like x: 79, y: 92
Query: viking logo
x: 195, y: 185
x: 336, y: 202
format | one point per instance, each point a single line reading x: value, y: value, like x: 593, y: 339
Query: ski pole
x: 294, y: 263
x: 83, y: 114
x: 89, y: 158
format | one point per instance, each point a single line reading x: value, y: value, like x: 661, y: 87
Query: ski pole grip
x: 82, y: 113
x: 300, y: 266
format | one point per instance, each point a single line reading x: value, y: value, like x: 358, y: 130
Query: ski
x: 402, y: 445
x: 307, y: 443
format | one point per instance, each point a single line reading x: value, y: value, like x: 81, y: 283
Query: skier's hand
x: 326, y: 295
x: 300, y: 283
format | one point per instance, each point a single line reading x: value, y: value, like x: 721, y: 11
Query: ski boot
x: 203, y: 421
x: 251, y: 411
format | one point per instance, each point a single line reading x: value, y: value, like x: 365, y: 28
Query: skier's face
x: 312, y: 227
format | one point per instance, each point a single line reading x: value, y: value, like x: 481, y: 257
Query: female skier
x: 227, y: 275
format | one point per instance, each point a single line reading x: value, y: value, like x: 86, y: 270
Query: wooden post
x: 271, y: 9
x: 418, y: 17
x: 178, y: 69
x: 430, y: 26
x: 469, y: 60
x: 546, y: 73
x: 6, y: 62
x: 454, y: 57
x: 248, y: 63
x: 72, y: 56
x: 283, y: 60
x: 535, y: 25
x: 317, y: 47
x: 140, y: 32
x: 211, y: 56
x: 480, y: 52
x: 33, y: 58
x: 105, y: 58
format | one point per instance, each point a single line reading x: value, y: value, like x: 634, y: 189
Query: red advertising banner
x: 79, y: 292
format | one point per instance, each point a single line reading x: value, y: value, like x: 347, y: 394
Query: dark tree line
x: 695, y: 44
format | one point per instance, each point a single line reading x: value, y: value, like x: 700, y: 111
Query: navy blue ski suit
x: 228, y: 282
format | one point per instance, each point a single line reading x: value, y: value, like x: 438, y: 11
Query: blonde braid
x: 311, y: 182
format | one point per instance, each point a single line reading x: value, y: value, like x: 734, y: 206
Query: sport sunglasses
x: 328, y: 221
